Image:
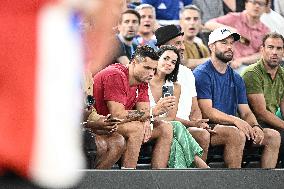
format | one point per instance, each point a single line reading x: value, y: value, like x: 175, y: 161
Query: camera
x: 167, y: 90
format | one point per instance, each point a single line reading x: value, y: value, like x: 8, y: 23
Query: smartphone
x: 167, y: 90
x: 110, y: 118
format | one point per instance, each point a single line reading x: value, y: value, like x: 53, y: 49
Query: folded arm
x: 258, y: 104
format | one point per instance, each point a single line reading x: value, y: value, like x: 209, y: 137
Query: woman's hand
x: 202, y: 123
x: 164, y: 105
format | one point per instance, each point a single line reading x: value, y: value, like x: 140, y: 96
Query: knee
x: 102, y: 145
x: 236, y: 136
x: 135, y: 130
x: 204, y: 137
x: 118, y: 143
x: 166, y: 130
x: 272, y: 137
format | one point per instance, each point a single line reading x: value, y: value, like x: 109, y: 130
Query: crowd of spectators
x: 186, y: 91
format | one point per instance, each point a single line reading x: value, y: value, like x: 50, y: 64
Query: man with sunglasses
x: 251, y: 29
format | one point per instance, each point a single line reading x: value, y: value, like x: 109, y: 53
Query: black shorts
x: 89, y: 147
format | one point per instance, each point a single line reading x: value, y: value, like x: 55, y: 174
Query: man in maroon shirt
x: 251, y: 29
x: 118, y: 89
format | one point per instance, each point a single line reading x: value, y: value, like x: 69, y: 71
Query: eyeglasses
x: 262, y: 4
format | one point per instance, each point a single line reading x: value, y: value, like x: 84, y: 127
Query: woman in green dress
x: 164, y: 93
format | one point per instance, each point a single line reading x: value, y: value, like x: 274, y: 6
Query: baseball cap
x: 222, y: 33
x: 166, y: 33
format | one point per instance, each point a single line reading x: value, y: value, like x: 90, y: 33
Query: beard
x: 221, y: 56
x: 272, y: 64
x: 129, y: 37
x: 140, y: 79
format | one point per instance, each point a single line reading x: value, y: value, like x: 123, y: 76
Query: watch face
x: 90, y: 100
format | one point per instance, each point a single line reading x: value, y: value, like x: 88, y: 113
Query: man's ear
x: 134, y: 61
x: 211, y: 47
x: 119, y: 27
x: 261, y: 49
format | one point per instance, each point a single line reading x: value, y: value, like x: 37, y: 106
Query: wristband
x: 151, y: 116
x: 151, y: 126
x: 257, y: 125
x: 151, y: 119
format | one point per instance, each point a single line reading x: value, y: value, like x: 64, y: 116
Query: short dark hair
x: 273, y: 35
x: 130, y: 11
x: 144, y: 51
x: 172, y: 76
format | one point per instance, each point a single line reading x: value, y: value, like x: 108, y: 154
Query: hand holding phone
x: 110, y: 118
x: 165, y: 104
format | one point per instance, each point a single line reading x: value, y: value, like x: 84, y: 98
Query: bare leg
x: 271, y: 144
x: 115, y: 148
x: 133, y: 132
x: 199, y: 162
x: 233, y: 141
x: 202, y: 137
x: 101, y: 144
x: 163, y: 133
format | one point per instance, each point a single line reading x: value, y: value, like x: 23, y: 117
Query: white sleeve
x: 187, y: 81
x: 191, y: 81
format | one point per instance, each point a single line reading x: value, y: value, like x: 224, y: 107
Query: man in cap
x: 221, y: 93
x: 188, y: 111
x: 249, y: 26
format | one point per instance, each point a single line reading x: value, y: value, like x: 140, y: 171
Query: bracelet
x: 151, y: 119
x: 151, y: 126
x: 151, y: 116
x: 257, y: 125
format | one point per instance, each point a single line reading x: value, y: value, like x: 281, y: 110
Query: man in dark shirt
x: 128, y: 28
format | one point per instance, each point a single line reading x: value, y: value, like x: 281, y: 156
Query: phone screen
x: 167, y: 91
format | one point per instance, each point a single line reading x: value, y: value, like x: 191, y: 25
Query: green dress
x: 278, y: 113
x: 184, y: 148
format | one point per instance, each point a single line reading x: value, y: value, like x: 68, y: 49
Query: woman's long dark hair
x: 172, y: 76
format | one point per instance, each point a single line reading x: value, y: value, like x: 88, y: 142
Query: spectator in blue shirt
x: 221, y: 93
x: 167, y: 9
